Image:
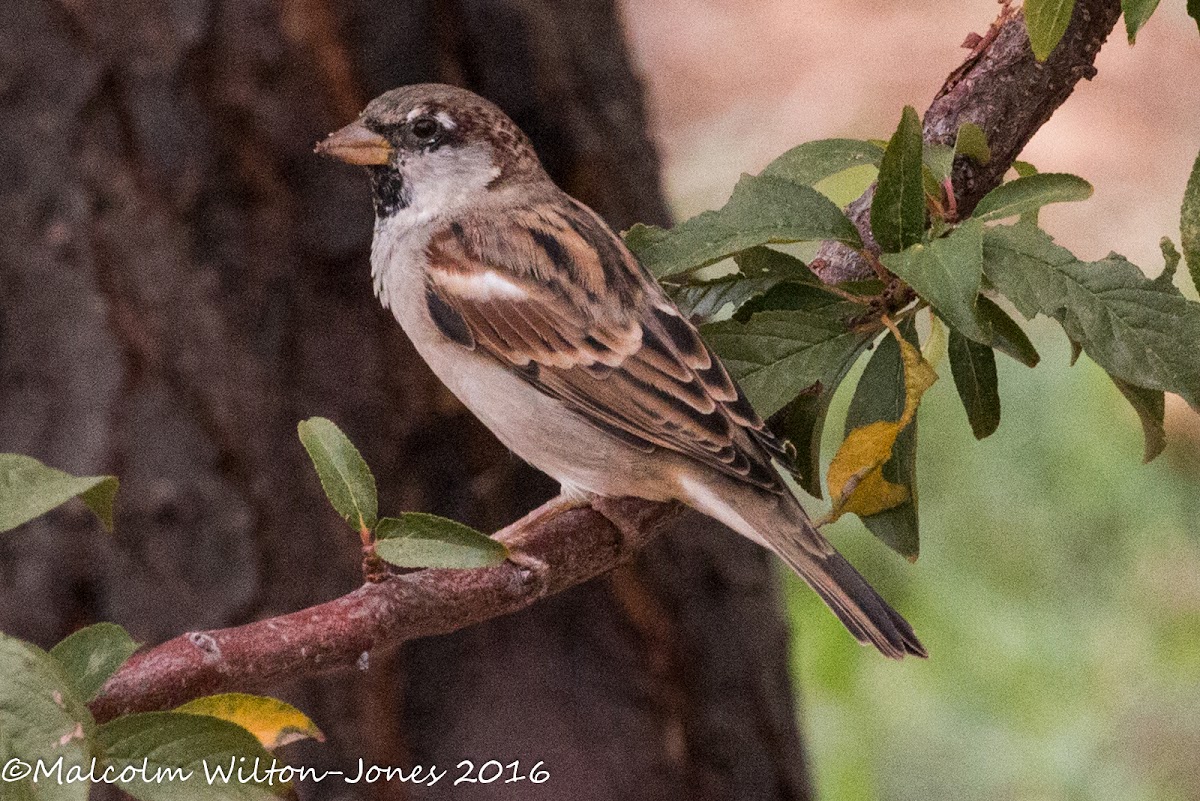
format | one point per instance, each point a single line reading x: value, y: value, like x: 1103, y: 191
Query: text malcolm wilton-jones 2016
x: 239, y: 770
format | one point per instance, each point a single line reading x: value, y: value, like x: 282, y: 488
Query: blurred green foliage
x: 1058, y: 592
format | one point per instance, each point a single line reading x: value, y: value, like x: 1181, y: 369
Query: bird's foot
x: 533, y: 571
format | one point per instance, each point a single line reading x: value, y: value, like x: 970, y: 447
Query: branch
x: 1000, y: 88
x: 1007, y: 93
x: 554, y: 548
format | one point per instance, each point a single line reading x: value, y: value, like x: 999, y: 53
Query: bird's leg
x: 532, y: 568
x: 568, y: 499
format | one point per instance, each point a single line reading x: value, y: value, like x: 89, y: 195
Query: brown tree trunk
x: 181, y: 281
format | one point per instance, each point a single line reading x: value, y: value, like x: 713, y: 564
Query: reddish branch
x: 1007, y: 93
x: 999, y: 88
x: 554, y: 548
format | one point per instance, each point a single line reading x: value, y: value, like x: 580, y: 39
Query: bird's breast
x: 535, y: 426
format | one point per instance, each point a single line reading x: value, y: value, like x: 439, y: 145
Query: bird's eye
x: 426, y: 128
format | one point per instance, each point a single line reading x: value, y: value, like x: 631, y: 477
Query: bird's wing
x: 555, y: 296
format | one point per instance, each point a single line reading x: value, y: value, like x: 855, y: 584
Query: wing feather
x: 559, y: 299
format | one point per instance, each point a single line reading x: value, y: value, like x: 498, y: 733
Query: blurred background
x: 181, y: 281
x: 1058, y: 587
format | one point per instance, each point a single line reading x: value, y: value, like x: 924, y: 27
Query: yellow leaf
x: 856, y: 482
x: 272, y: 721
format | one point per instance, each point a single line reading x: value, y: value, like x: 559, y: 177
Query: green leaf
x: 881, y: 395
x: 812, y: 162
x: 273, y: 723
x: 762, y: 261
x: 778, y: 354
x: 1136, y: 12
x: 1026, y: 195
x: 846, y: 186
x: 92, y: 654
x: 29, y: 488
x: 1171, y: 259
x: 763, y: 210
x: 1150, y: 407
x: 974, y: 369
x: 1005, y: 334
x: 1193, y: 10
x: 1024, y: 169
x: 802, y: 421
x: 344, y: 475
x: 1189, y: 220
x: 1141, y: 331
x: 415, y: 539
x: 41, y: 720
x: 898, y: 208
x: 947, y: 272
x: 972, y: 143
x: 180, y: 752
x: 760, y: 269
x: 939, y: 160
x: 1047, y: 22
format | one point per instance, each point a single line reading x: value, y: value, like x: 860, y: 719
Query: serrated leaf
x: 974, y: 369
x: 776, y: 355
x: 1005, y: 334
x: 1142, y: 331
x: 273, y: 723
x: 1029, y: 194
x: 41, y: 720
x: 874, y: 472
x: 345, y: 477
x: 1189, y: 220
x: 181, y: 752
x: 1150, y: 407
x: 947, y: 272
x: 760, y: 269
x: 898, y: 208
x: 812, y: 162
x: 29, y: 489
x: 1047, y: 21
x: 1136, y: 13
x: 92, y: 654
x: 415, y: 539
x: 763, y: 210
x: 972, y: 143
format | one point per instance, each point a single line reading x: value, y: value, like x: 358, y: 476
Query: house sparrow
x: 535, y: 314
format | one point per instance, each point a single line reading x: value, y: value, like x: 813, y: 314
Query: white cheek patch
x: 446, y: 179
x: 487, y: 285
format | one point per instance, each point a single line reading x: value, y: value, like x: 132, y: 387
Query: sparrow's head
x: 432, y: 148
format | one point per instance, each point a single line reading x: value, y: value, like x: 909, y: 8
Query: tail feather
x: 780, y: 523
x: 863, y: 612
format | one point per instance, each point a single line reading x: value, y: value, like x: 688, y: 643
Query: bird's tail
x: 780, y: 523
x: 852, y: 599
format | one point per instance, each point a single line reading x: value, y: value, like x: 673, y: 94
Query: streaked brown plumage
x: 540, y: 319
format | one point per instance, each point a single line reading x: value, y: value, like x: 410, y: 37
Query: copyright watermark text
x: 240, y: 770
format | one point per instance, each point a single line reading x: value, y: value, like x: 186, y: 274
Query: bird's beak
x: 356, y: 144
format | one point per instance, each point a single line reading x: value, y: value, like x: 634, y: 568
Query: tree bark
x: 1004, y: 90
x: 181, y: 282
